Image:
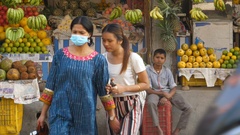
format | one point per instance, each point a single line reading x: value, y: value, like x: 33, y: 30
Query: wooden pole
x: 148, y: 29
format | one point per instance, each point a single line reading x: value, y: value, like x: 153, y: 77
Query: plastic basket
x: 165, y: 120
x: 11, y: 115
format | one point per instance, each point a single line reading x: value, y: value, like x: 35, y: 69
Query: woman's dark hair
x: 159, y: 51
x: 86, y: 23
x: 117, y: 31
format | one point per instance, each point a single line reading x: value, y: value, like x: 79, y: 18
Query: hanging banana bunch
x: 219, y: 5
x: 134, y: 16
x: 117, y: 12
x: 156, y: 14
x: 35, y: 2
x: 197, y: 14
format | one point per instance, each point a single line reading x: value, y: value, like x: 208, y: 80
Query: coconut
x: 31, y: 69
x: 16, y: 64
x: 2, y: 75
x: 24, y: 76
x: 6, y: 64
x: 22, y: 68
x: 29, y: 63
x: 13, y: 74
x: 32, y: 76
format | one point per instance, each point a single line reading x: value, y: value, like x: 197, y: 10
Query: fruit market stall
x: 24, y: 30
x: 200, y: 66
x: 25, y: 44
x: 18, y: 86
x: 129, y: 14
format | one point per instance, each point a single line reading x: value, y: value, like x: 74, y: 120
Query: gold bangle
x: 139, y: 88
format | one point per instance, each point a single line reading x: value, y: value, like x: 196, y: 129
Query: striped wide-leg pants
x: 129, y: 113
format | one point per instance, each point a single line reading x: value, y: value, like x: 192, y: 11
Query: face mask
x: 79, y: 40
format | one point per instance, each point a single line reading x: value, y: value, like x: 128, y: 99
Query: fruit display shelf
x: 21, y: 91
x: 43, y: 59
x: 209, y: 77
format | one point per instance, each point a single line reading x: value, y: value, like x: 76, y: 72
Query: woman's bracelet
x: 139, y: 88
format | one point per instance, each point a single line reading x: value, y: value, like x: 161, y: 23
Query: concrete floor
x: 199, y: 97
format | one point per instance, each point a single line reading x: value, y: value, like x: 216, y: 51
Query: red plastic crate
x: 165, y: 120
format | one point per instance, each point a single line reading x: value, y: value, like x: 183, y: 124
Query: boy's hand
x: 162, y: 101
x: 167, y: 95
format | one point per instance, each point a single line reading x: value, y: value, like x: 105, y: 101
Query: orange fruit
x: 33, y: 33
x: 1, y: 29
x: 23, y: 22
x: 27, y: 29
x: 47, y: 41
x: 42, y: 34
x: 2, y: 36
x: 15, y: 25
x: 5, y: 27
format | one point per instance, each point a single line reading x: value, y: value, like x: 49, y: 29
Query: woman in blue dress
x: 77, y: 75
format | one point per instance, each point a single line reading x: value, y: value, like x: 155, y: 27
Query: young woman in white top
x: 124, y: 67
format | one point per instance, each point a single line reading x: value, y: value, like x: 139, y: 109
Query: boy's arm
x: 172, y: 86
x: 170, y: 95
x: 151, y: 91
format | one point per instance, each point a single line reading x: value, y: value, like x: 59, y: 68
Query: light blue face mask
x: 79, y: 40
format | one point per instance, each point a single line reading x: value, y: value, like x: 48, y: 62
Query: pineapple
x: 176, y: 24
x: 167, y: 36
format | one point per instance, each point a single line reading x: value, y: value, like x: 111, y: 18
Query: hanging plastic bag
x: 197, y: 40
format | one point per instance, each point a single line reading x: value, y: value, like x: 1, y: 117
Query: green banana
x: 119, y: 11
x: 113, y: 13
x: 29, y: 22
x: 126, y: 15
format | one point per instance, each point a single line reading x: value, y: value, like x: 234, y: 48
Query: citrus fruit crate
x: 165, y: 120
x: 11, y: 115
x: 198, y: 82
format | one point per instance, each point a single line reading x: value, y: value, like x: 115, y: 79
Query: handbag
x: 44, y: 130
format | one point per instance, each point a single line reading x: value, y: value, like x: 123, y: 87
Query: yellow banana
x: 159, y: 16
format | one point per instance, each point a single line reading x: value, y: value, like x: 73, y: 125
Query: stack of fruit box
x: 165, y: 120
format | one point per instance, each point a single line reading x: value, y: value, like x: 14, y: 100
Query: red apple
x: 2, y: 12
x: 35, y: 13
x: 34, y: 9
x: 4, y: 16
x: 30, y: 13
x: 1, y: 21
x: 28, y: 9
x: 1, y: 8
x: 5, y: 8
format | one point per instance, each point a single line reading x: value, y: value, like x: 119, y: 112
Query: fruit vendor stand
x: 18, y: 86
x: 101, y: 13
x: 25, y: 51
x: 212, y: 55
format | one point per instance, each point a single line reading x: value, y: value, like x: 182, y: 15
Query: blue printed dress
x: 76, y: 81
